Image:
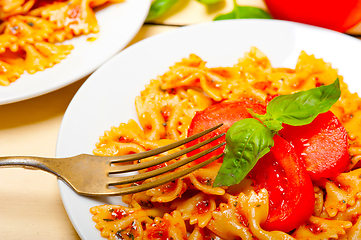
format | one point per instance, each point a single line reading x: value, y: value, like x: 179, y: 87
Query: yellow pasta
x: 35, y: 26
x: 10, y: 8
x: 255, y: 208
x: 26, y: 29
x: 354, y: 232
x: 170, y: 226
x: 165, y: 109
x: 322, y: 228
x: 75, y: 16
x: 115, y: 221
x: 343, y: 192
x: 42, y: 55
x: 11, y: 67
x: 196, y: 213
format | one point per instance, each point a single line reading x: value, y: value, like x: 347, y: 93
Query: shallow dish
x: 107, y: 98
x: 118, y: 23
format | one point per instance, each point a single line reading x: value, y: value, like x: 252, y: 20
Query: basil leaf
x: 247, y: 141
x: 231, y: 15
x: 158, y: 8
x: 209, y: 2
x: 240, y: 12
x: 302, y: 107
x: 273, y: 125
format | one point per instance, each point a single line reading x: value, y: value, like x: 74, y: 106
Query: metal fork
x: 90, y: 175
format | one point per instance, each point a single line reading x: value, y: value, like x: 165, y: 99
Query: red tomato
x: 335, y: 15
x: 291, y: 195
x: 226, y: 113
x: 322, y: 145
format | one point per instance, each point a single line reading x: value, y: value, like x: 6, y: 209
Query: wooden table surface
x: 30, y: 203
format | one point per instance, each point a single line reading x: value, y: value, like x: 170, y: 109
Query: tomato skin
x: 336, y: 15
x: 322, y: 145
x: 226, y: 113
x: 291, y: 195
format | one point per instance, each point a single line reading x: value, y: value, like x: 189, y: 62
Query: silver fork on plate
x: 91, y: 175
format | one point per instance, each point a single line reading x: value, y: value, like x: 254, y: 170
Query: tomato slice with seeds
x: 290, y: 189
x: 226, y: 113
x: 322, y: 145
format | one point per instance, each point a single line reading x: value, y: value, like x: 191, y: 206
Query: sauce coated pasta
x: 190, y: 208
x: 30, y: 31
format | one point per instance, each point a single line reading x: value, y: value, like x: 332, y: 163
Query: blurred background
x: 341, y: 16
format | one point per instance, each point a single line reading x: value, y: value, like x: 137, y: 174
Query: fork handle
x: 28, y: 162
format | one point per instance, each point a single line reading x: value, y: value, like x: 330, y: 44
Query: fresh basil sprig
x: 249, y: 139
x: 302, y: 107
x: 158, y: 8
x: 240, y: 12
x: 246, y: 140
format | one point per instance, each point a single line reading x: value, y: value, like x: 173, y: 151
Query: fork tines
x: 116, y: 180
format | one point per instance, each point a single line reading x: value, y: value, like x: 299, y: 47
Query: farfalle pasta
x: 10, y: 8
x: 34, y: 29
x: 190, y: 207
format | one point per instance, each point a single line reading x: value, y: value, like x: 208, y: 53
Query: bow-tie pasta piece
x: 10, y: 8
x: 42, y: 55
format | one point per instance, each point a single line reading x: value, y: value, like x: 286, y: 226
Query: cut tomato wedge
x: 322, y: 145
x: 291, y: 195
x: 226, y: 113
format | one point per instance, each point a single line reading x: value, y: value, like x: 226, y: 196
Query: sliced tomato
x: 322, y: 145
x: 291, y: 195
x: 226, y: 113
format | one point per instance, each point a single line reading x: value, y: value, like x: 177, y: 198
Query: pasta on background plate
x: 190, y: 208
x: 31, y: 30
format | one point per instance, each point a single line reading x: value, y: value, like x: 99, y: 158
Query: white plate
x: 118, y: 23
x: 107, y: 98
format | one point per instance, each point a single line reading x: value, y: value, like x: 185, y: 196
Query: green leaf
x: 273, y: 125
x: 240, y: 12
x: 158, y: 8
x: 301, y: 108
x: 231, y: 15
x: 209, y: 2
x: 247, y: 141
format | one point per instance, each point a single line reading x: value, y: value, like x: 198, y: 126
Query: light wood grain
x: 30, y: 203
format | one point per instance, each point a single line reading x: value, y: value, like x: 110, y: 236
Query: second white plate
x: 118, y: 23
